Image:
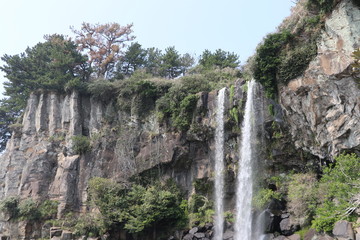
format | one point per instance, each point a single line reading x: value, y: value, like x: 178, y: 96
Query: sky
x: 190, y: 25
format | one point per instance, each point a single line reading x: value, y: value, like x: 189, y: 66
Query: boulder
x: 294, y: 237
x: 281, y: 237
x: 188, y: 236
x: 228, y: 234
x: 208, y: 226
x: 194, y: 230
x: 67, y: 235
x: 199, y: 235
x: 343, y: 229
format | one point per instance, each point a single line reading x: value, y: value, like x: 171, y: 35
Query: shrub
x: 302, y: 196
x: 28, y: 210
x: 267, y: 60
x: 9, y: 206
x: 200, y: 210
x: 103, y: 89
x: 76, y: 84
x: 155, y: 205
x: 48, y: 209
x: 339, y: 183
x: 109, y: 197
x: 295, y: 61
x: 263, y: 197
x: 138, y: 95
x: 89, y: 225
x: 81, y: 144
x: 182, y: 116
x: 323, y: 6
x: 140, y: 208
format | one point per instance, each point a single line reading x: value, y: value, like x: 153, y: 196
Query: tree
x: 186, y: 62
x: 49, y: 65
x: 104, y: 43
x: 153, y: 61
x: 170, y: 64
x: 133, y: 59
x: 219, y: 58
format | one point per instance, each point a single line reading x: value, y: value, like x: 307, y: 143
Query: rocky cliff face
x: 322, y: 106
x: 40, y: 161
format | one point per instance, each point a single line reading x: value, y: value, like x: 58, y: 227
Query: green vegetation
x: 295, y: 61
x: 338, y: 192
x: 286, y: 54
x: 102, y: 63
x: 322, y: 6
x: 137, y: 209
x: 50, y: 65
x: 28, y: 209
x: 219, y: 58
x: 201, y: 210
x: 263, y: 197
x: 9, y: 206
x: 313, y: 202
x: 356, y: 66
x: 81, y: 144
x: 267, y: 61
x: 302, y: 196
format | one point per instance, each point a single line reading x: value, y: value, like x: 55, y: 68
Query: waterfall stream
x: 219, y: 167
x: 244, y: 189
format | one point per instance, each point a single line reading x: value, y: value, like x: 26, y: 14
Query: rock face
x: 40, y: 161
x: 322, y: 106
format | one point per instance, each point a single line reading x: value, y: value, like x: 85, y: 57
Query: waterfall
x: 245, y: 173
x: 219, y: 167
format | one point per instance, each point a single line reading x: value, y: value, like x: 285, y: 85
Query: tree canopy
x: 104, y: 44
x: 49, y: 65
x: 219, y: 58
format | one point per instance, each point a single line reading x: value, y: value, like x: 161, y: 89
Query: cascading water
x: 219, y: 167
x: 244, y: 189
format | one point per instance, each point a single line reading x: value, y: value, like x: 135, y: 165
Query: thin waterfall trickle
x: 219, y: 166
x: 244, y: 189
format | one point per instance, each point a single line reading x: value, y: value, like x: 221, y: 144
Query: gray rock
x: 285, y: 225
x: 194, y: 230
x: 199, y: 235
x: 343, y: 229
x: 209, y: 234
x: 321, y: 105
x: 208, y: 226
x: 66, y: 235
x: 281, y: 237
x: 188, y: 236
x: 294, y: 237
x: 228, y: 234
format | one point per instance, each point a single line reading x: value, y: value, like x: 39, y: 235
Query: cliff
x: 322, y: 105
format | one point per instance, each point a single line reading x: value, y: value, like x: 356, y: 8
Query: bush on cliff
x: 28, y: 209
x: 338, y: 192
x: 137, y: 209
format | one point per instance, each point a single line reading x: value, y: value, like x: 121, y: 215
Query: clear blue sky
x: 190, y: 25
